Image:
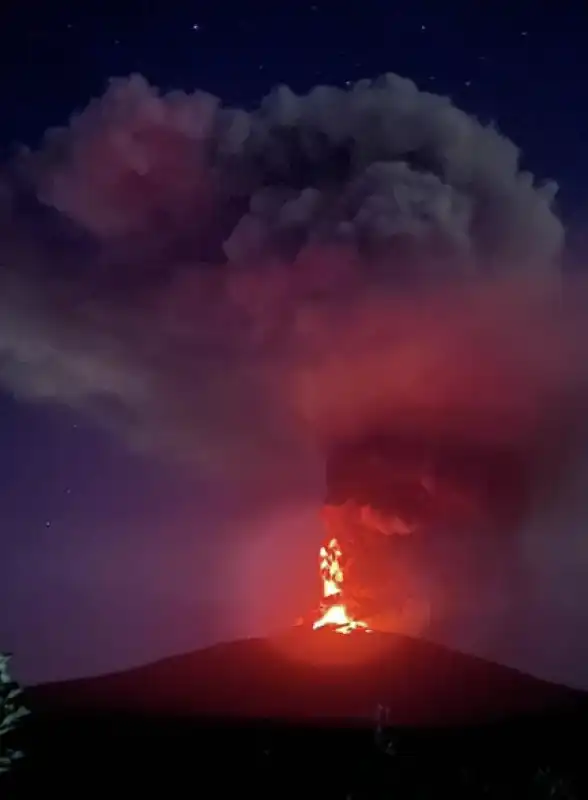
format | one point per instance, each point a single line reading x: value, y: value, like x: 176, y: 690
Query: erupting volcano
x: 403, y: 515
x: 335, y: 611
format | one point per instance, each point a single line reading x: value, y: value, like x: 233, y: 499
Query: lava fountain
x: 334, y: 610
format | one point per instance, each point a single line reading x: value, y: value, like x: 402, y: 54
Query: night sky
x: 103, y: 559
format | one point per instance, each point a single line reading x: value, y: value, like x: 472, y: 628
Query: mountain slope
x: 306, y: 676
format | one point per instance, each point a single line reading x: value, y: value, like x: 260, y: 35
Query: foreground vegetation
x: 12, y: 711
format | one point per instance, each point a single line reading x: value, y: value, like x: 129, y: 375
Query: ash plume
x: 239, y: 288
x: 233, y: 285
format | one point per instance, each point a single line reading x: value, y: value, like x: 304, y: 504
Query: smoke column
x: 232, y: 287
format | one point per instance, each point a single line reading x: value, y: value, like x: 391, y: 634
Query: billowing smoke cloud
x: 236, y: 288
x: 231, y: 285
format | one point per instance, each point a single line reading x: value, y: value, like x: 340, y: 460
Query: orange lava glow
x: 334, y: 611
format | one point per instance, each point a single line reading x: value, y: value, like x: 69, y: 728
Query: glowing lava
x: 334, y: 610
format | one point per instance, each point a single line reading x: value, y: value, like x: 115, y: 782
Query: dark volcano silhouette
x: 306, y: 676
x: 297, y: 712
